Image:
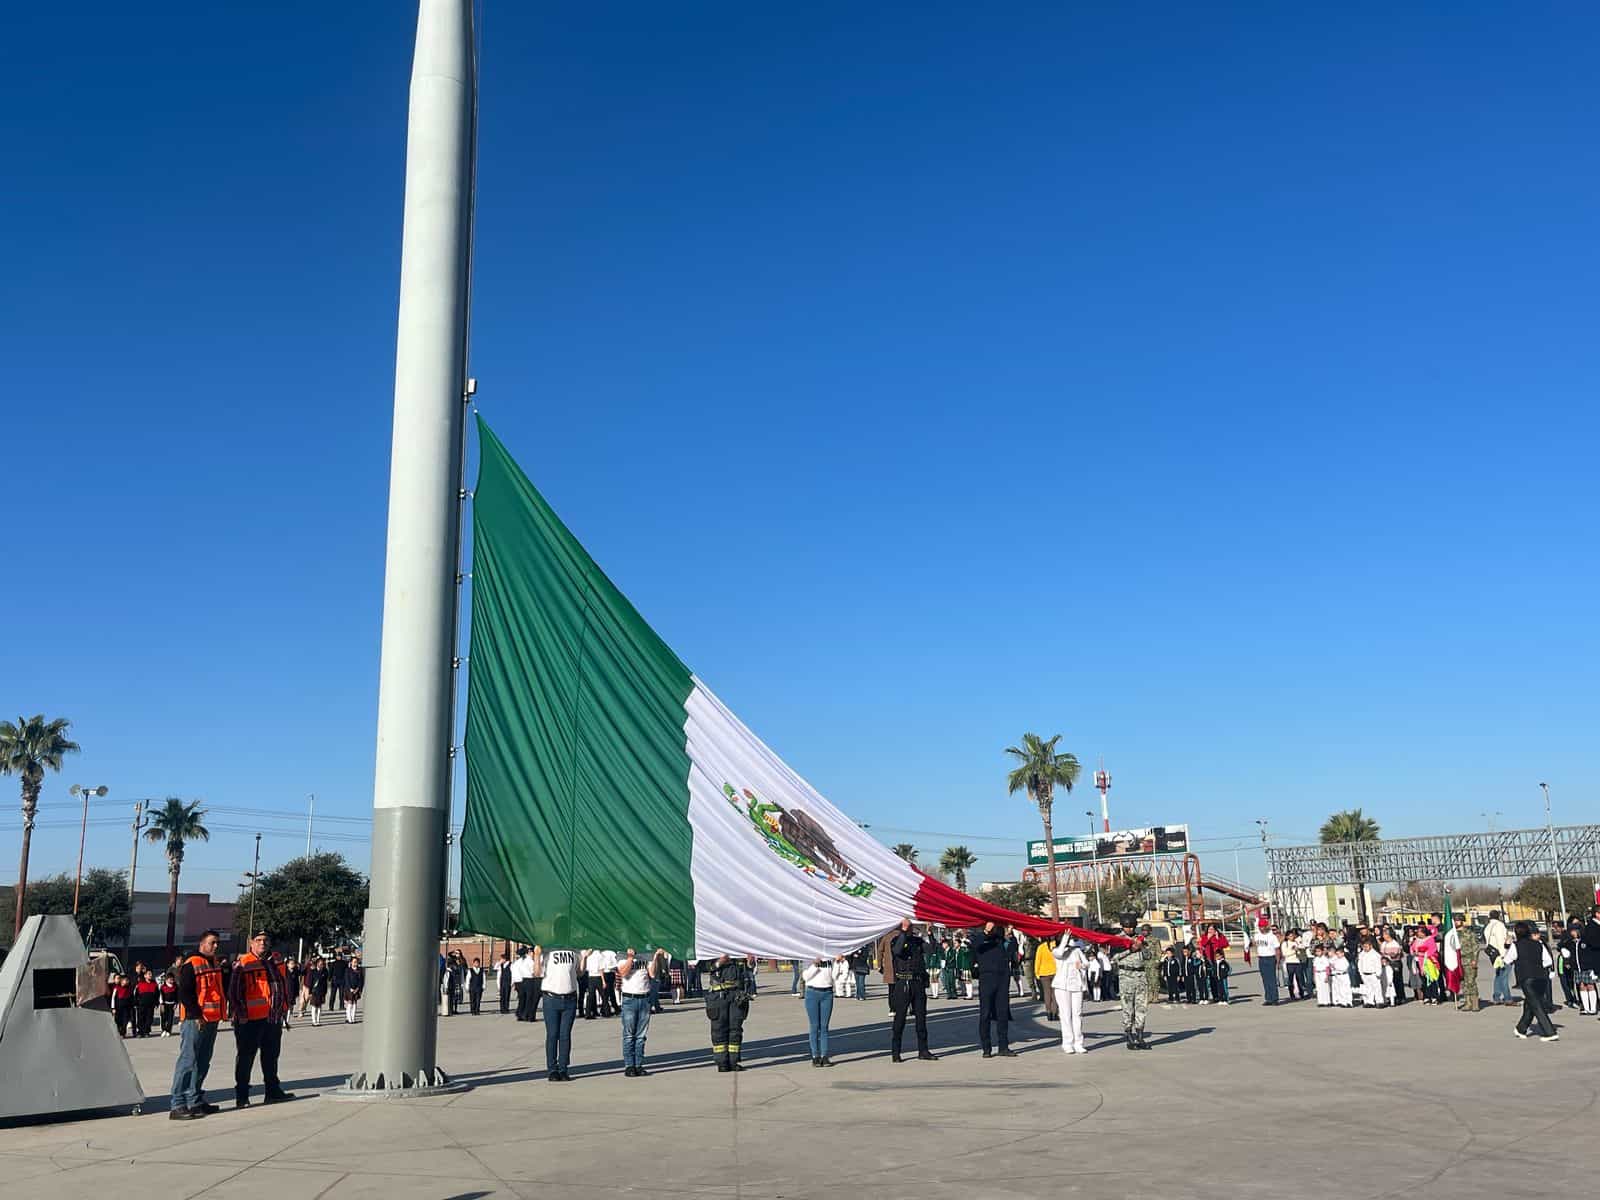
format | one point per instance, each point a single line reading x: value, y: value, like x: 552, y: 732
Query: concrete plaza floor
x: 1243, y: 1101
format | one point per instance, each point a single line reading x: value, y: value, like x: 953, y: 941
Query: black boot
x: 1127, y: 1036
x: 894, y: 1056
x: 927, y: 1056
x: 1140, y: 1043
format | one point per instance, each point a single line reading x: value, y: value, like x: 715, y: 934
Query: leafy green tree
x: 1039, y: 771
x: 103, y: 915
x: 1131, y: 893
x: 176, y: 823
x: 906, y: 851
x: 320, y: 898
x: 1539, y: 892
x: 1028, y: 898
x: 28, y: 749
x: 955, y: 861
x: 1351, y: 826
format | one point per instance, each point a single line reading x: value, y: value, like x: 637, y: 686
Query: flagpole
x: 411, y: 791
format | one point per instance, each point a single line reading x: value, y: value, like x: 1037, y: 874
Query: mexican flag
x: 1449, y: 958
x: 613, y: 799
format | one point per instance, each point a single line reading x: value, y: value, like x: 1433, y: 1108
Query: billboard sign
x: 1117, y: 845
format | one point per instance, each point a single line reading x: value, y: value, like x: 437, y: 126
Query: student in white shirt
x: 560, y: 1007
x: 1322, y: 976
x: 634, y: 976
x: 1341, y: 978
x: 521, y: 974
x: 1370, y: 963
x: 1266, y: 947
x: 1072, y: 971
x: 818, y: 977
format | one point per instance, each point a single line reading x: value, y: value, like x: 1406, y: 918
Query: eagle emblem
x: 799, y: 839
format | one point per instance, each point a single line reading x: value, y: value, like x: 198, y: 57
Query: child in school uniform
x: 1342, y: 997
x: 1322, y: 975
x: 1370, y: 963
x: 1192, y: 965
x: 1171, y: 976
x: 1219, y: 977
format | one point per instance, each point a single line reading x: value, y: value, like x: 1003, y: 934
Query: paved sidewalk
x: 1241, y: 1100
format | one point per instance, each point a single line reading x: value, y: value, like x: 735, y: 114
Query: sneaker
x: 184, y: 1114
x: 1520, y: 1034
x: 205, y: 1110
x: 1554, y: 1037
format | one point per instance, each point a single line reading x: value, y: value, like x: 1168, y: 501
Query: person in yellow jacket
x: 1044, y: 970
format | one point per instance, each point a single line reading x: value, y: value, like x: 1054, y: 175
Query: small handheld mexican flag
x: 614, y: 800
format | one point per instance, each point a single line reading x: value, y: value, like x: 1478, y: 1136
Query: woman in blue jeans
x: 818, y: 977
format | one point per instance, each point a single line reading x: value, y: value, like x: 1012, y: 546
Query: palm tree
x: 955, y: 860
x: 27, y: 748
x: 906, y: 851
x: 1039, y: 771
x: 1348, y: 827
x: 176, y: 823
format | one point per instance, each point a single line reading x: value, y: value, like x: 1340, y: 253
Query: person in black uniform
x: 909, y: 991
x: 727, y: 987
x: 989, y: 959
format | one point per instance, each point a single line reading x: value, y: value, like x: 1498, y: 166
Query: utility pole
x: 416, y: 721
x: 254, y: 877
x: 1272, y: 898
x: 1555, y: 859
x: 83, y: 829
x: 140, y: 807
x: 311, y: 807
x: 1094, y: 861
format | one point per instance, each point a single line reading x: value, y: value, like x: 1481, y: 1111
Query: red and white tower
x: 1102, y: 781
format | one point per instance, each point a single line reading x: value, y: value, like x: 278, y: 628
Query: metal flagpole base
x: 408, y: 1087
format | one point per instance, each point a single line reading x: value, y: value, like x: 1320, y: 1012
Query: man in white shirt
x: 634, y: 975
x: 608, y: 983
x: 560, y: 1007
x: 521, y: 972
x: 1498, y: 939
x: 1267, y: 944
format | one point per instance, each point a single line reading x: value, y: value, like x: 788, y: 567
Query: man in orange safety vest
x: 258, y: 1001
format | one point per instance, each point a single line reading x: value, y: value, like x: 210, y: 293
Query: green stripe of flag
x: 576, y: 828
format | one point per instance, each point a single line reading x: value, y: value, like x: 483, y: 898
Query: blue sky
x: 1213, y: 386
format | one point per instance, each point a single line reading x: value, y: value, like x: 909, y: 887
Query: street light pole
x: 1555, y: 859
x: 1094, y: 861
x: 255, y: 877
x: 83, y: 829
x: 139, y: 809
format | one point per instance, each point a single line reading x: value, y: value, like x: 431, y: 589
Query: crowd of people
x: 1434, y: 962
x: 1375, y: 967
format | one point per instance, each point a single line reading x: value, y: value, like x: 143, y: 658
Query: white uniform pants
x: 1071, y: 1005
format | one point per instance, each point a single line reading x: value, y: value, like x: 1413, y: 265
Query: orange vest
x: 208, y: 990
x: 255, y: 987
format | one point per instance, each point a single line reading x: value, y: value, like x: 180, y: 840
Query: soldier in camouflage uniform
x: 1471, y: 947
x: 1131, y: 964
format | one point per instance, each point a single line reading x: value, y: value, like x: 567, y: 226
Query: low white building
x: 1334, y: 904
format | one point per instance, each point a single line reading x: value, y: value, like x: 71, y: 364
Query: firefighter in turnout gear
x: 727, y: 1004
x: 909, y: 991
